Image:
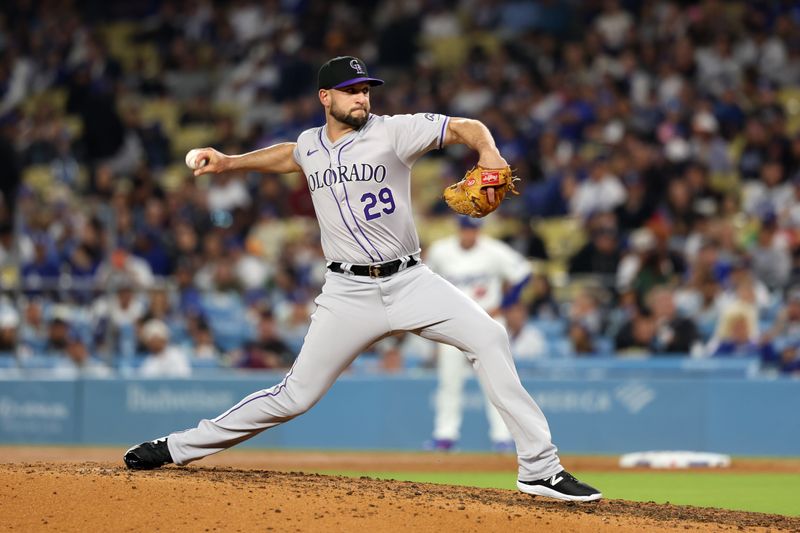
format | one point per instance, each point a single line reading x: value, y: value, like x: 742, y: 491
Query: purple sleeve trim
x: 444, y: 129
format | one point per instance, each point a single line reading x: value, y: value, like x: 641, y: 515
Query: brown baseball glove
x: 468, y: 196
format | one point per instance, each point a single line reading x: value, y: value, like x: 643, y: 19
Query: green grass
x: 764, y: 493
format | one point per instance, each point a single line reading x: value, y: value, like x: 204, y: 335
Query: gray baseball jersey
x: 360, y: 185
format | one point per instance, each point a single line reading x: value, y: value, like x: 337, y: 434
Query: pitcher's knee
x: 492, y: 338
x: 497, y: 335
x: 294, y: 406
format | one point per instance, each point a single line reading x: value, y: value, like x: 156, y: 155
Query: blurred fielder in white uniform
x: 358, y: 170
x: 493, y: 274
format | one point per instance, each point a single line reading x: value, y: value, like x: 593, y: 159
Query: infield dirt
x: 77, y: 489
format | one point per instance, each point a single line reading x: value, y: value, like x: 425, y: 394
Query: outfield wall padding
x: 744, y: 416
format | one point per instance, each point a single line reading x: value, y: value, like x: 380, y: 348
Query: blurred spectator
x: 771, y: 260
x: 741, y: 280
x: 527, y: 342
x: 641, y: 244
x: 674, y: 334
x: 789, y: 362
x: 581, y: 338
x: 543, y: 304
x: 699, y: 300
x: 738, y: 317
x: 227, y: 192
x: 162, y: 359
x: 79, y: 363
x: 770, y: 194
x: 267, y: 350
x: 637, y: 336
x: 159, y: 305
x: 586, y: 313
x: 9, y: 322
x: 124, y: 268
x: 528, y: 243
x: 390, y: 352
x: 736, y: 338
x: 649, y: 263
x: 116, y: 317
x: 7, y: 253
x: 614, y: 25
x: 600, y: 256
x: 58, y: 337
x: 784, y: 333
x: 32, y: 333
x: 622, y: 312
x: 43, y: 270
x: 655, y: 111
x: 294, y: 319
x: 601, y: 191
x: 638, y: 206
x: 203, y: 346
x: 706, y: 145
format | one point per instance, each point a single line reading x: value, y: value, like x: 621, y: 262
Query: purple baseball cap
x: 343, y: 71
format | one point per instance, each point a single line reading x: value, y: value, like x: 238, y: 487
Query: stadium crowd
x: 658, y: 142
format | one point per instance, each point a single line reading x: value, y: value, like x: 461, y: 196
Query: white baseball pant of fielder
x: 479, y: 266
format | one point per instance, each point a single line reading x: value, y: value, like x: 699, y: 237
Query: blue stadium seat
x: 604, y: 346
x: 559, y: 347
x: 7, y: 360
x: 205, y: 363
x: 40, y: 361
x: 550, y: 327
x: 225, y: 313
x: 366, y: 363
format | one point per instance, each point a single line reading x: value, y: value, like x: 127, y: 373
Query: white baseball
x: 192, y: 161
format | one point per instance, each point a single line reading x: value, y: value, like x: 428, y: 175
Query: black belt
x: 380, y: 270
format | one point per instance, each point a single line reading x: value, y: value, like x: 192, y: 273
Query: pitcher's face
x: 350, y: 105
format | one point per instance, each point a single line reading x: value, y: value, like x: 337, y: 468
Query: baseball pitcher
x: 358, y: 169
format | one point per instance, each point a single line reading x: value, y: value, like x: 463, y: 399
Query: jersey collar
x: 326, y: 141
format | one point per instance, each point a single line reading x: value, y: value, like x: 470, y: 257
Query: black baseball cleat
x: 562, y: 486
x: 148, y: 455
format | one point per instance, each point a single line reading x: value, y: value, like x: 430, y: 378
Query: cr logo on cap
x: 356, y: 66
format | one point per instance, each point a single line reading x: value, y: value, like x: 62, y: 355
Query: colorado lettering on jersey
x: 346, y: 174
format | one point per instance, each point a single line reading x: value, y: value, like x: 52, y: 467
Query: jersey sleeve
x: 414, y: 135
x: 513, y: 266
x: 296, y: 153
x: 304, y: 141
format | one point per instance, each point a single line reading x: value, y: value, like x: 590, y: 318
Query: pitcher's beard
x: 349, y: 119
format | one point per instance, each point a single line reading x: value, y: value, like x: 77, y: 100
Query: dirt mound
x: 105, y: 497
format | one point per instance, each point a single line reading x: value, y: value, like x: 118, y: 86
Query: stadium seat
x: 562, y: 236
x: 224, y: 312
x: 604, y: 346
x: 550, y: 328
x: 205, y: 363
x: 559, y: 348
x: 36, y: 362
x: 190, y: 137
